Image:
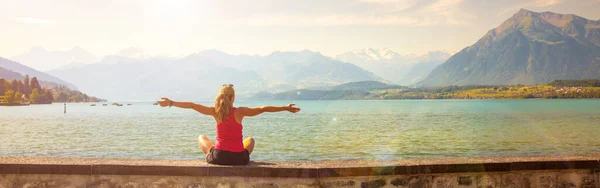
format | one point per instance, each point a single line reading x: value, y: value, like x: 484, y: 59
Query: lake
x: 323, y: 130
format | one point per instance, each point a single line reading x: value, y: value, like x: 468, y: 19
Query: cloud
x: 393, y: 5
x: 545, y: 3
x: 324, y: 20
x: 531, y: 4
x: 440, y: 12
x: 35, y: 20
x: 382, y: 1
x: 446, y: 12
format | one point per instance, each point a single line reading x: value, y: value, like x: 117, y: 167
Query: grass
x: 494, y: 92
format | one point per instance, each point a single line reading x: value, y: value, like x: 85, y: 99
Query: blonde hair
x: 224, y: 102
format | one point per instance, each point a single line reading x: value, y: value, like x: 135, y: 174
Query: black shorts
x: 222, y: 157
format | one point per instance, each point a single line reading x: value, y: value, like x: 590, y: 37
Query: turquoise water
x: 323, y: 130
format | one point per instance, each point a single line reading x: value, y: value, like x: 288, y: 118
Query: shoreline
x: 300, y: 164
x: 14, y: 104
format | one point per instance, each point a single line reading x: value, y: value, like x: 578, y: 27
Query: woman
x: 229, y: 149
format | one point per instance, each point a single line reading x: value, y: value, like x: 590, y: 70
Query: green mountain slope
x: 528, y: 48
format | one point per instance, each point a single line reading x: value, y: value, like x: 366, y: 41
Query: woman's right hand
x: 164, y: 102
x: 291, y: 108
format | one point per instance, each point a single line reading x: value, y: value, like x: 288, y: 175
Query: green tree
x: 18, y: 97
x: 10, y: 96
x: 34, y: 98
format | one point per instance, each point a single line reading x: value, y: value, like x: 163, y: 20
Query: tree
x: 35, y: 83
x: 14, y: 85
x: 76, y: 98
x: 26, y: 85
x: 10, y: 96
x: 49, y: 97
x: 21, y: 87
x: 2, y: 89
x: 35, y: 96
x: 62, y: 97
x: 18, y: 97
x: 7, y: 86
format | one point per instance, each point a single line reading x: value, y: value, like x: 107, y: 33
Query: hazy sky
x: 177, y: 27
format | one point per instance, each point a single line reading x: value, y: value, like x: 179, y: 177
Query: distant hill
x: 528, y: 48
x: 559, y: 89
x: 309, y: 69
x: 303, y: 94
x: 9, y: 75
x: 44, y: 60
x: 24, y: 70
x: 576, y: 83
x: 39, y: 91
x: 352, y: 90
x: 364, y: 86
x: 199, y: 76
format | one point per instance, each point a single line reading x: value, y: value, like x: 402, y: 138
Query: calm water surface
x: 323, y: 130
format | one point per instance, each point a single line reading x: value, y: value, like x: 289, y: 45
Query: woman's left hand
x: 291, y: 108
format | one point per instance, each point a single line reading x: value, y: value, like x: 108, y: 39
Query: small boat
x: 119, y: 104
x: 115, y: 104
x: 128, y: 104
x: 104, y: 104
x: 93, y: 105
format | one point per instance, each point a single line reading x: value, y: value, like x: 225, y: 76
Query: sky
x: 181, y: 27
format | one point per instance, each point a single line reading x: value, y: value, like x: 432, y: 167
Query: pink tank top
x: 229, y: 134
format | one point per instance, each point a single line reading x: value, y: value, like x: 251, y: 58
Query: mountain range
x: 528, y: 48
x: 392, y: 66
x: 44, y: 60
x: 198, y: 76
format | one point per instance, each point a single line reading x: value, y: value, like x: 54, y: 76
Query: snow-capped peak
x: 375, y: 53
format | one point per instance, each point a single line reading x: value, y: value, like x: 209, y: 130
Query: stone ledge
x: 318, y: 169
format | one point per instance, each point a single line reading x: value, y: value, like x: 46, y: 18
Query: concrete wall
x: 556, y: 171
x: 562, y: 178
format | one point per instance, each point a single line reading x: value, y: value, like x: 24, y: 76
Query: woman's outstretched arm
x: 245, y: 111
x: 206, y: 110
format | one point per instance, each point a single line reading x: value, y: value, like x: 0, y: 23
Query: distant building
x: 24, y: 99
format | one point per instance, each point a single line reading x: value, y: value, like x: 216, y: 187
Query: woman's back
x: 230, y: 148
x: 229, y: 134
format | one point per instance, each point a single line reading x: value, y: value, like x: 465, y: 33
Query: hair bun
x: 227, y: 89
